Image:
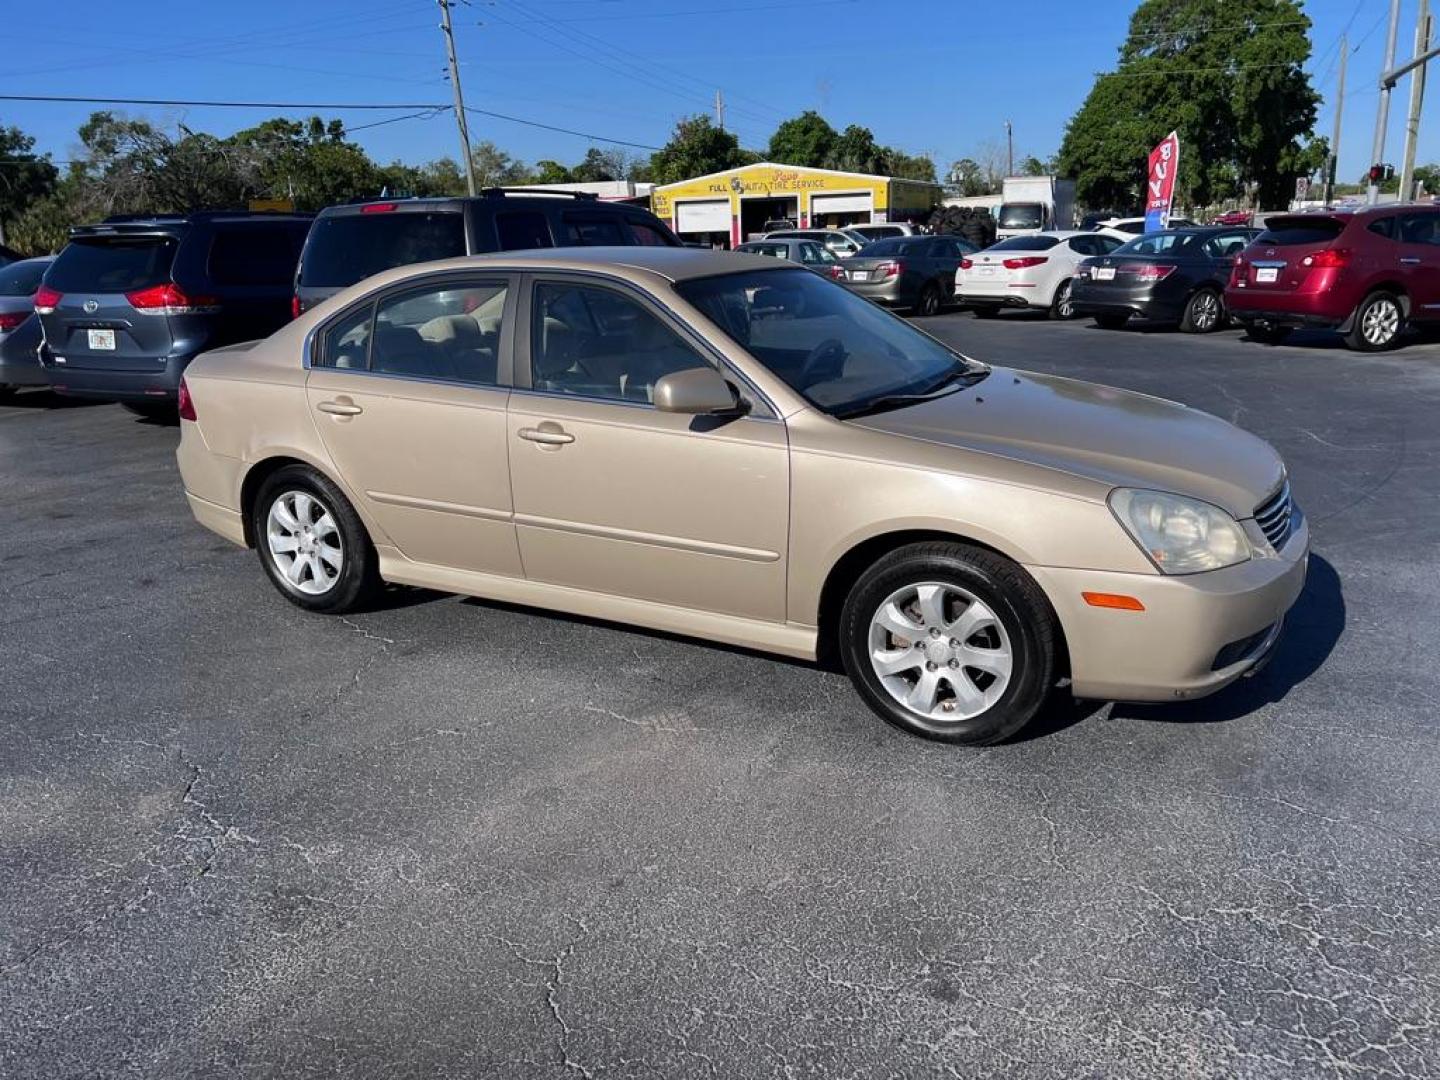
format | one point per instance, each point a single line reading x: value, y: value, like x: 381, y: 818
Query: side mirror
x: 696, y: 391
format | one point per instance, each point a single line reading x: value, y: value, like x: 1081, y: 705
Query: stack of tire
x: 971, y: 223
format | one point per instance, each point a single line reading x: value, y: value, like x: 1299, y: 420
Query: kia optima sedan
x: 734, y: 448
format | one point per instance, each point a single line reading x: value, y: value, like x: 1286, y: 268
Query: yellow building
x: 727, y: 208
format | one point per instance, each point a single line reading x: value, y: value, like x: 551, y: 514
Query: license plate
x: 1265, y: 274
x: 859, y: 275
x: 1104, y: 273
x: 987, y: 271
x: 101, y: 339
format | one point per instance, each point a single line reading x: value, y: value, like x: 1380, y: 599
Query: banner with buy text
x: 1160, y: 182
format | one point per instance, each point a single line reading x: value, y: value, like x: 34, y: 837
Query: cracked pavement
x: 454, y: 838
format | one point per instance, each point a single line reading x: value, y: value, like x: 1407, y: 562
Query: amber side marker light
x: 1112, y: 600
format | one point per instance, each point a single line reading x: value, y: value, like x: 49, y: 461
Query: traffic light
x: 1379, y: 173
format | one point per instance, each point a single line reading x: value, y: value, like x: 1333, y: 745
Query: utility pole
x: 720, y: 108
x: 1417, y: 98
x: 1334, y: 162
x: 459, y: 98
x: 1009, y: 149
x: 1382, y: 119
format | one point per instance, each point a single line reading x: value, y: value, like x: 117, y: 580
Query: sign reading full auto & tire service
x: 1160, y: 182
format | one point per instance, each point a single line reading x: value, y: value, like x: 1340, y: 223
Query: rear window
x: 1022, y: 216
x: 255, y: 255
x: 22, y: 278
x: 893, y: 245
x: 1286, y: 232
x: 348, y: 247
x: 1025, y: 243
x: 113, y: 265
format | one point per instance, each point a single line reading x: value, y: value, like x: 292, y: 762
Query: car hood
x: 1115, y: 437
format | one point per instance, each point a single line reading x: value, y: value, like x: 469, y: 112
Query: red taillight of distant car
x: 1145, y: 271
x: 1329, y: 259
x: 169, y: 299
x: 837, y: 273
x: 9, y: 320
x: 890, y: 269
x: 295, y: 307
x: 377, y: 208
x: 966, y: 264
x: 186, y: 402
x: 1025, y: 262
x: 46, y: 298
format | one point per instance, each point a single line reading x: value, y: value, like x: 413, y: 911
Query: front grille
x: 1274, y: 516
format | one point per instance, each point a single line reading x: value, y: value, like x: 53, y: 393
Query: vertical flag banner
x: 1160, y: 182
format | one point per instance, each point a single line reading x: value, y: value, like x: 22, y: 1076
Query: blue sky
x: 627, y: 69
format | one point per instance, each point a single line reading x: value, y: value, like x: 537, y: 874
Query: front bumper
x: 1197, y: 634
x: 162, y: 383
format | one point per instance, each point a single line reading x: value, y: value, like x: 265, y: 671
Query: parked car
x: 733, y: 448
x: 128, y: 303
x: 839, y: 244
x: 1126, y: 228
x: 19, y: 326
x: 907, y: 271
x: 883, y: 230
x: 351, y: 242
x: 1174, y: 276
x: 1367, y: 274
x: 1233, y: 217
x: 810, y: 254
x: 1029, y: 271
x: 1093, y: 219
x: 778, y: 223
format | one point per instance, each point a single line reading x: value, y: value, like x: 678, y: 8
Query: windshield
x: 1025, y: 215
x: 836, y: 348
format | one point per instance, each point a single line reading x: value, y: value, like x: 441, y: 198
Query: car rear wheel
x: 1204, y: 312
x: 929, y: 302
x: 950, y: 642
x: 1062, y: 307
x: 312, y: 544
x: 1112, y: 321
x: 1378, y: 323
x: 1267, y: 333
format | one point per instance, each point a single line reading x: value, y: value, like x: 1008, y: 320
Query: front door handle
x: 1410, y: 262
x: 340, y: 407
x: 547, y: 434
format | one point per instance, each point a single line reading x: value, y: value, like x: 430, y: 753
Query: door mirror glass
x: 695, y: 391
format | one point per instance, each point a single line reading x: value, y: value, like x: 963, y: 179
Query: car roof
x: 493, y: 197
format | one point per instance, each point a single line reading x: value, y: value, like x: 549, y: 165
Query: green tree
x: 310, y: 162
x: 551, y: 172
x: 600, y: 165
x: 966, y: 178
x: 805, y: 140
x: 1227, y: 75
x: 495, y: 168
x: 909, y: 166
x: 855, y: 150
x: 696, y: 148
x: 25, y: 177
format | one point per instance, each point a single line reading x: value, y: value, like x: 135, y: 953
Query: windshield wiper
x: 951, y: 381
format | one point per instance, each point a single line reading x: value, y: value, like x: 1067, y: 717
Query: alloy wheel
x: 1063, y: 304
x: 304, y: 542
x: 940, y: 651
x: 1381, y: 322
x: 1207, y: 311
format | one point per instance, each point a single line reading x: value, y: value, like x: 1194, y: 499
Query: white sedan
x: 1126, y: 229
x: 1029, y: 271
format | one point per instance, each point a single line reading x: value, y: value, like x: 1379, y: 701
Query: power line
x: 338, y: 106
x: 563, y: 131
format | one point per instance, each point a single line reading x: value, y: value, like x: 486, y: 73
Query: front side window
x: 839, y: 350
x: 598, y: 343
x: 1419, y: 229
x: 448, y: 331
x: 1384, y: 226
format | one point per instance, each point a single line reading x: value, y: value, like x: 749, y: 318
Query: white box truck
x: 1035, y: 203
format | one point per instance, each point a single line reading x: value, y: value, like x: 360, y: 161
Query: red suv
x: 1365, y: 274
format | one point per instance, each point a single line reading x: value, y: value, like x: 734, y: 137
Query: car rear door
x: 110, y: 313
x: 943, y: 256
x: 1419, y: 261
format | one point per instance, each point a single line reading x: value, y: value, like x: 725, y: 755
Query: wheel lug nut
x: 954, y: 643
x: 934, y: 632
x: 954, y: 663
x: 930, y: 665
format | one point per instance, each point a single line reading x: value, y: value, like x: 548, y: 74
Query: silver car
x: 19, y: 328
x: 810, y: 254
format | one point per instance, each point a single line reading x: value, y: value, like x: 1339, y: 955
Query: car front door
x: 408, y: 393
x: 613, y: 496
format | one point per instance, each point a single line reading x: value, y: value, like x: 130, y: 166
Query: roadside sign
x: 1302, y: 187
x: 1160, y: 182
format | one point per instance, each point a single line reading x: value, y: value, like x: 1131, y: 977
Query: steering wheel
x: 830, y: 349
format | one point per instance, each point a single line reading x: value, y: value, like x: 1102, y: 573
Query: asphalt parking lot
x: 453, y: 839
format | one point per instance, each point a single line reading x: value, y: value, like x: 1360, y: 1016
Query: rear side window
x: 449, y: 331
x: 251, y: 255
x: 891, y: 246
x: 594, y: 231
x: 1165, y: 243
x: 647, y: 235
x: 22, y: 278
x: 1287, y: 232
x: 347, y: 342
x: 1384, y: 226
x: 522, y: 231
x: 345, y: 248
x: 112, y: 265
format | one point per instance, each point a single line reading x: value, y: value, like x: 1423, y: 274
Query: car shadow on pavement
x: 45, y: 399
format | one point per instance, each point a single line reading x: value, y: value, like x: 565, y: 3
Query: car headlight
x: 1180, y: 535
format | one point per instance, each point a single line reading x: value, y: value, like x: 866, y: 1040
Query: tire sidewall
x: 929, y: 302
x: 358, y: 574
x: 1187, y: 322
x: 1034, y: 663
x: 1357, y: 334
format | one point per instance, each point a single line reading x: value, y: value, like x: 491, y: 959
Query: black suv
x: 129, y: 302
x: 349, y: 243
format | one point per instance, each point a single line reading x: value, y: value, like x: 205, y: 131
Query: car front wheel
x: 1378, y: 322
x: 950, y: 642
x: 312, y: 544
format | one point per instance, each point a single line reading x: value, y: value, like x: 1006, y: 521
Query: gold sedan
x: 728, y: 447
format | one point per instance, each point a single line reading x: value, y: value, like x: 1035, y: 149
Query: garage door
x: 712, y: 215
x: 841, y: 204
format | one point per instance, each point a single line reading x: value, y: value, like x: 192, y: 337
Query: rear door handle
x: 340, y: 407
x: 1410, y: 262
x: 548, y: 434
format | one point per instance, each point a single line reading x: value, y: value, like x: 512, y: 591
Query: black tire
x: 1019, y: 607
x: 1267, y: 333
x: 164, y: 412
x: 928, y: 302
x: 1204, y: 312
x: 1112, y: 320
x: 1060, y: 306
x: 1378, y: 323
x: 985, y: 311
x: 358, y: 580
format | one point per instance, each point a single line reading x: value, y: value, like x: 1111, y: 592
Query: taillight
x: 1026, y: 262
x: 837, y: 273
x: 1237, y: 270
x: 377, y: 208
x: 295, y: 307
x: 890, y: 269
x: 1145, y: 271
x: 187, y: 403
x: 9, y: 320
x: 966, y: 264
x: 46, y: 298
x: 1329, y: 259
x: 170, y: 299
